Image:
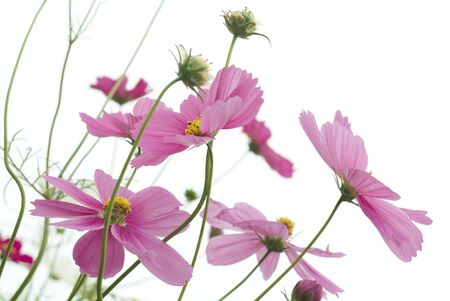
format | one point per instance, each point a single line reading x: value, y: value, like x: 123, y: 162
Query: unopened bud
x: 193, y: 70
x: 240, y: 23
x: 307, y: 290
x: 190, y: 195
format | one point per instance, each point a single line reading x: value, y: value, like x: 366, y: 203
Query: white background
x: 385, y: 64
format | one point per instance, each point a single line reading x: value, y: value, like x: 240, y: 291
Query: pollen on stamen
x: 290, y: 224
x: 122, y: 207
x: 193, y: 127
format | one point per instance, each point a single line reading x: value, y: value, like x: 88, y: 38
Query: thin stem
x: 36, y: 262
x: 208, y: 179
x: 6, y: 145
x: 160, y: 172
x: 230, y: 50
x: 114, y: 88
x: 231, y: 168
x: 133, y: 173
x: 299, y: 257
x: 116, y: 187
x: 202, y: 228
x: 77, y: 286
x: 246, y: 277
x: 83, y: 158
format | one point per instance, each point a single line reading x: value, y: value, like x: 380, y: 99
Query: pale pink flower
x: 345, y: 154
x: 258, y: 236
x: 259, y: 135
x: 233, y: 100
x: 16, y: 254
x: 122, y: 95
x: 119, y: 124
x: 137, y: 220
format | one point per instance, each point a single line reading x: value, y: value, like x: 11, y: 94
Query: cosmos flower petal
x: 214, y: 210
x: 257, y: 131
x: 369, y: 187
x: 105, y: 186
x: 269, y: 264
x: 74, y: 192
x: 277, y: 162
x: 241, y: 212
x: 232, y: 248
x: 215, y: 116
x: 318, y: 252
x: 54, y: 208
x: 82, y: 223
x: 418, y: 216
x: 341, y: 120
x: 86, y: 254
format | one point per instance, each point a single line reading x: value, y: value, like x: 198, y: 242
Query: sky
x: 384, y: 64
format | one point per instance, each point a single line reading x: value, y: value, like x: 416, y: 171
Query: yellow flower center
x: 193, y: 127
x: 290, y: 224
x: 122, y: 207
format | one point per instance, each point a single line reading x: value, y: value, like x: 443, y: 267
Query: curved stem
x: 205, y: 212
x: 114, y: 88
x: 299, y: 257
x: 116, y: 187
x: 77, y: 286
x: 230, y: 50
x: 6, y: 144
x: 36, y: 263
x: 82, y: 159
x: 208, y: 179
x: 246, y: 277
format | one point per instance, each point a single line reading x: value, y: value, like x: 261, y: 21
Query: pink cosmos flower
x: 119, y: 124
x: 15, y: 254
x: 307, y: 290
x: 260, y: 134
x: 345, y: 154
x: 233, y: 100
x: 122, y: 95
x: 259, y: 236
x: 137, y: 220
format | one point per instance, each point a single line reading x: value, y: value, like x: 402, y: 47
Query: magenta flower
x: 122, y: 95
x: 15, y: 254
x: 119, y: 124
x: 260, y: 134
x: 137, y: 220
x: 345, y: 154
x: 233, y: 100
x: 259, y: 236
x: 307, y: 290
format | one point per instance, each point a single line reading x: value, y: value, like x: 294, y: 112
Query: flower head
x: 259, y: 236
x: 192, y: 69
x: 122, y: 95
x: 233, y: 100
x: 15, y: 254
x: 259, y: 135
x: 240, y: 23
x: 345, y: 154
x: 307, y: 290
x: 137, y: 220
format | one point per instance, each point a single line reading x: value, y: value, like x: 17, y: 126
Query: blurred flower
x: 232, y: 101
x: 259, y: 236
x: 240, y: 23
x: 192, y: 69
x: 259, y: 135
x: 122, y: 95
x: 119, y: 124
x: 15, y: 254
x: 345, y: 154
x: 137, y: 219
x: 307, y: 290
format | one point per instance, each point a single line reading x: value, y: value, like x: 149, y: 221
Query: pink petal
x: 193, y: 106
x: 214, y: 210
x: 269, y: 264
x: 241, y: 212
x: 265, y: 228
x: 220, y: 113
x: 139, y: 90
x: 144, y: 105
x: 232, y: 248
x: 257, y: 131
x: 395, y: 226
x: 187, y: 140
x: 418, y: 216
x: 277, y: 162
x: 54, y: 208
x: 86, y: 254
x: 105, y: 185
x: 341, y: 120
x: 74, y: 192
x: 368, y: 186
x: 110, y: 125
x: 81, y: 224
x: 165, y: 224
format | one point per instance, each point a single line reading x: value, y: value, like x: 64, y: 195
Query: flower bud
x: 190, y: 195
x: 307, y: 290
x: 192, y: 69
x: 240, y: 23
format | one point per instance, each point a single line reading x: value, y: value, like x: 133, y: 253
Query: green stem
x: 6, y: 145
x: 160, y: 172
x: 230, y: 50
x: 202, y: 228
x: 77, y: 286
x: 299, y: 257
x: 83, y: 158
x: 114, y: 88
x: 116, y: 188
x: 246, y: 277
x: 133, y: 173
x: 36, y: 262
x: 208, y: 179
